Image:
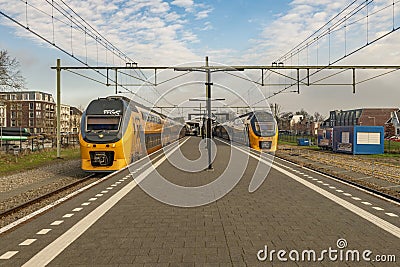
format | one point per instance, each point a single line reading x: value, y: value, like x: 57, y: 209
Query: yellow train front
x: 107, y: 138
x: 256, y: 129
x: 263, y: 131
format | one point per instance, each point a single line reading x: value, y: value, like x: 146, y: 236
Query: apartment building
x: 3, y: 113
x: 34, y: 110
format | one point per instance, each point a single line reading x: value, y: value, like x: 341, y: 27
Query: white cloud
x: 203, y: 14
x: 183, y: 3
x: 156, y: 32
x: 207, y: 26
x: 139, y: 28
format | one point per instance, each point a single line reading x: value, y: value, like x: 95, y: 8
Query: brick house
x: 362, y: 116
x: 394, y: 123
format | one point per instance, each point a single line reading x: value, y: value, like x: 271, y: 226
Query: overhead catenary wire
x: 306, y: 43
x: 112, y: 46
x: 341, y: 24
x: 71, y: 19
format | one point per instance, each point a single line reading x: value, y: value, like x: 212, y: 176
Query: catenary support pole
x: 58, y: 108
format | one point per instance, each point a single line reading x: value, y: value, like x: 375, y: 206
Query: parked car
x: 394, y: 138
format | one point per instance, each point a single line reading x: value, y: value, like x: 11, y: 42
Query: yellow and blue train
x: 257, y: 129
x: 116, y: 131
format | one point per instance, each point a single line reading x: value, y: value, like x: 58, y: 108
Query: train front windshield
x: 264, y: 124
x: 103, y: 123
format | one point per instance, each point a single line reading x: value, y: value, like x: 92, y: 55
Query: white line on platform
x: 340, y: 191
x: 46, y: 255
x: 92, y: 199
x: 109, y: 188
x: 377, y: 208
x: 381, y: 223
x: 99, y: 195
x: 77, y: 209
x: 43, y: 231
x: 104, y: 192
x: 27, y: 242
x: 391, y: 214
x: 356, y: 198
x: 69, y: 215
x: 392, y: 186
x: 55, y: 223
x: 63, y: 199
x: 347, y: 194
x: 85, y: 204
x: 8, y: 255
x: 366, y: 203
x: 332, y: 187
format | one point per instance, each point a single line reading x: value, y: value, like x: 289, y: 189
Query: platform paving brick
x: 282, y: 214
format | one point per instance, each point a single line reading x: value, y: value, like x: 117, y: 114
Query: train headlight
x: 101, y: 135
x: 265, y: 144
x: 113, y: 145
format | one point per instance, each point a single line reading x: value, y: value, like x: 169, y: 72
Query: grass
x: 392, y: 146
x: 386, y: 155
x: 10, y: 163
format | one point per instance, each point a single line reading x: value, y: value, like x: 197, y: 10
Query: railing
x: 293, y: 138
x: 37, y: 143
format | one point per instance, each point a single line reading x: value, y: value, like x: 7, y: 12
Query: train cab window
x: 104, y: 123
x: 264, y: 124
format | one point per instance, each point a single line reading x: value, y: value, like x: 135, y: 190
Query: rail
x: 45, y: 196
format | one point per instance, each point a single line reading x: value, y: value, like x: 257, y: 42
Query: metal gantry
x: 208, y: 69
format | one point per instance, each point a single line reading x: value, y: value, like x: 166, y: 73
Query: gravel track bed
x: 21, y: 187
x: 23, y: 212
x: 58, y: 168
x: 377, y: 175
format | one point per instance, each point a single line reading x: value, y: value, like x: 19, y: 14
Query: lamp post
x: 208, y: 122
x: 207, y: 69
x: 202, y: 116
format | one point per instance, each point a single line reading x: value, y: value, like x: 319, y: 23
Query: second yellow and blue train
x: 257, y: 129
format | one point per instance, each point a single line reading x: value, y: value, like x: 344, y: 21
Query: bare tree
x: 10, y: 75
x: 305, y: 114
x: 276, y: 111
x: 318, y: 117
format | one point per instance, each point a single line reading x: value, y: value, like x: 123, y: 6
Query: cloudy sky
x: 183, y: 32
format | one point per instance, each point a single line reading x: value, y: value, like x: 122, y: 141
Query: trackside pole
x: 58, y: 108
x: 208, y: 95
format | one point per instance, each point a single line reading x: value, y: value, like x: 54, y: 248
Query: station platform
x: 287, y: 216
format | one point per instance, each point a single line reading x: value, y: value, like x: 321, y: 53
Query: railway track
x: 376, y: 177
x: 358, y: 185
x: 46, y: 196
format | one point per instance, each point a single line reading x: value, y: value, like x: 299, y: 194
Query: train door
x: 136, y: 138
x: 246, y: 134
